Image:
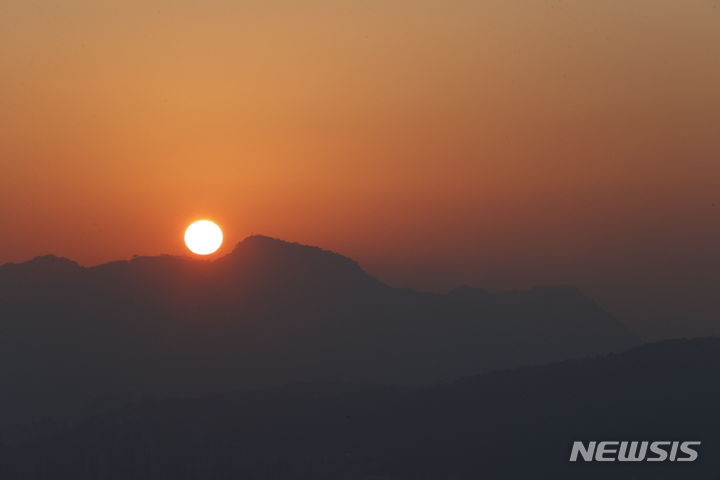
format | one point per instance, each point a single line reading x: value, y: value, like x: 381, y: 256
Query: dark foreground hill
x: 515, y: 424
x: 269, y: 313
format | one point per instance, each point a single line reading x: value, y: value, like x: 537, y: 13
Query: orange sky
x: 500, y: 143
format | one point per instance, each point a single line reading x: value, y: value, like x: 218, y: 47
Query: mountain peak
x: 282, y: 259
x: 47, y: 262
x: 51, y: 259
x: 260, y: 245
x: 257, y: 238
x: 38, y: 271
x: 264, y: 241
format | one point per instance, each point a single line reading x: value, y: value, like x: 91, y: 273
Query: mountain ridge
x: 264, y: 245
x: 269, y: 313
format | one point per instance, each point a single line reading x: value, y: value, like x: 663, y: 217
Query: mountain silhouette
x: 511, y: 424
x: 269, y: 313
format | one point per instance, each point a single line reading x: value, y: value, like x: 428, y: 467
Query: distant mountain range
x: 77, y: 340
x: 515, y: 424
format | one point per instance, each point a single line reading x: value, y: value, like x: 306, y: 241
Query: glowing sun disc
x: 203, y: 237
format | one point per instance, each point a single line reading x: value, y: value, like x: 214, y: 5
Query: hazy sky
x: 499, y: 143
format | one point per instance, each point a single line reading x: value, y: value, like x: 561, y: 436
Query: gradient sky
x: 497, y: 143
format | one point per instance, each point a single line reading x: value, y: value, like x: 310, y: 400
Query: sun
x: 203, y: 237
